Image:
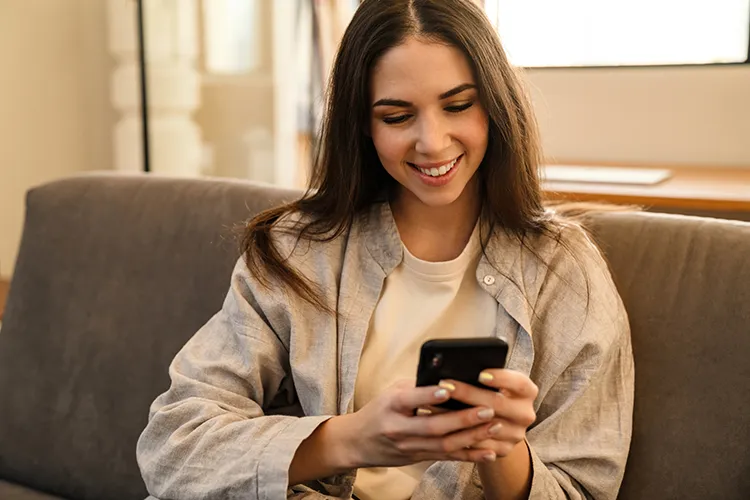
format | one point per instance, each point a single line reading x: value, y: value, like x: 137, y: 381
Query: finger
x: 518, y: 411
x: 504, y: 430
x: 431, y: 410
x: 501, y: 448
x: 436, y: 410
x: 403, y: 384
x: 407, y: 399
x: 449, y: 443
x: 474, y: 455
x: 503, y: 442
x: 512, y: 383
x: 437, y: 425
x: 469, y: 394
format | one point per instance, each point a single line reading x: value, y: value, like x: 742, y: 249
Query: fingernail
x: 447, y: 386
x: 489, y: 457
x: 495, y: 429
x: 485, y: 377
x: 423, y: 412
x: 486, y: 414
x: 441, y: 394
x: 500, y: 393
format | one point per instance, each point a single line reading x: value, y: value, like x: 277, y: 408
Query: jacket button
x: 489, y: 280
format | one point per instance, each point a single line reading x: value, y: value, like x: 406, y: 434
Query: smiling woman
x: 423, y: 220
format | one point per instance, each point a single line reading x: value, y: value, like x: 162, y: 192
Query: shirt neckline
x: 446, y: 270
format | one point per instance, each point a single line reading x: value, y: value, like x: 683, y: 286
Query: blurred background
x: 235, y: 87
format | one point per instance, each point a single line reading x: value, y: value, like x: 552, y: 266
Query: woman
x: 424, y: 220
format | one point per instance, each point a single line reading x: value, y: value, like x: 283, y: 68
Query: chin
x: 438, y: 199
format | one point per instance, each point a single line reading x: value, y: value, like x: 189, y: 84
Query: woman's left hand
x: 513, y: 406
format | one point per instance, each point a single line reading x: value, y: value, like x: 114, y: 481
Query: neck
x: 436, y: 234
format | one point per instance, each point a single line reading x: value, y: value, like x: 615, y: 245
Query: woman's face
x: 428, y: 126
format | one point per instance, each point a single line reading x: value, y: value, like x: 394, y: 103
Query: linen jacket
x: 263, y: 373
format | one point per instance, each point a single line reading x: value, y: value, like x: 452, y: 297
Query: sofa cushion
x: 113, y: 276
x: 686, y: 286
x: 10, y: 491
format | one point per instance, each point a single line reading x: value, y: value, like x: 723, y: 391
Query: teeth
x: 436, y: 172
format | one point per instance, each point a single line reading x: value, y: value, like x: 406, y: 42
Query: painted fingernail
x: 485, y: 377
x: 486, y: 414
x: 489, y: 457
x: 447, y: 386
x: 495, y: 429
x: 441, y: 394
x: 423, y: 412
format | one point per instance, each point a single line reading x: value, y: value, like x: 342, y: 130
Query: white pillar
x: 171, y: 32
x: 285, y: 88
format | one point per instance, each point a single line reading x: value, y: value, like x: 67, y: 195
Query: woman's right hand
x: 387, y: 433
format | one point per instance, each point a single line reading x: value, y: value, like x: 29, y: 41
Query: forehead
x: 419, y: 69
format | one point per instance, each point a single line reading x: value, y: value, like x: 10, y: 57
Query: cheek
x: 389, y: 144
x: 475, y: 133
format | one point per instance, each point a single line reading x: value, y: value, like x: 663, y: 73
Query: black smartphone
x: 459, y: 359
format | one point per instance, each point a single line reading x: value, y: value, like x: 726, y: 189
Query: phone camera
x: 437, y: 360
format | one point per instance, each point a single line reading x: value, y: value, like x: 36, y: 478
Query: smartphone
x: 459, y: 359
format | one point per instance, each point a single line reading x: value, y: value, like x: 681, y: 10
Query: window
x: 231, y: 29
x: 538, y: 33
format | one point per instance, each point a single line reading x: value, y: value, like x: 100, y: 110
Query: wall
x: 685, y: 115
x: 56, y: 118
x: 55, y: 114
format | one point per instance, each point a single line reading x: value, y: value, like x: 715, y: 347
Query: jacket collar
x: 508, y: 270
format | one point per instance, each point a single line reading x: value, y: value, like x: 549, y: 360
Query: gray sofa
x: 116, y: 272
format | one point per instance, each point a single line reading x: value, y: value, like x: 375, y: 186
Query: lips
x: 437, y: 181
x: 436, y: 169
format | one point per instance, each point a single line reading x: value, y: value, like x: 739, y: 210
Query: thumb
x: 405, y: 383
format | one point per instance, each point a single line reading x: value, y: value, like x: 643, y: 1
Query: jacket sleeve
x: 583, y: 365
x: 208, y: 436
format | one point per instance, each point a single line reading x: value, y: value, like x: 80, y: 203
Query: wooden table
x: 705, y: 189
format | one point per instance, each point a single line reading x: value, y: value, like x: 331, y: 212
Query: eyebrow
x: 405, y: 104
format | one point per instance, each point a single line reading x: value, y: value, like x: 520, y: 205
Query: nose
x: 434, y: 136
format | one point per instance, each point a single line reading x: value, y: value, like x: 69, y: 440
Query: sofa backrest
x: 114, y: 274
x: 686, y: 286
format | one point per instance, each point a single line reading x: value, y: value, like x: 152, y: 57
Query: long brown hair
x: 347, y: 176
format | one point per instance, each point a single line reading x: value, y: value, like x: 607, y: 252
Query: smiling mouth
x: 437, y: 171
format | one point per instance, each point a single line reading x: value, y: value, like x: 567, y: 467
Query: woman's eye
x: 460, y: 107
x: 392, y: 120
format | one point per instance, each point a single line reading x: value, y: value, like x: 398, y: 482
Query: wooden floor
x: 4, y: 286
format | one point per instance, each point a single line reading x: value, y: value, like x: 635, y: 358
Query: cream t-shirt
x: 420, y: 301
